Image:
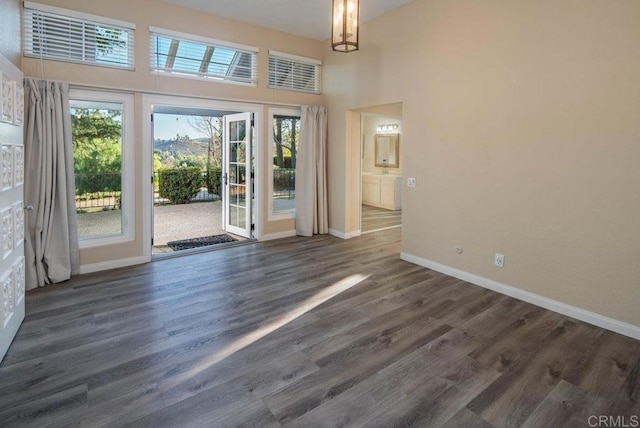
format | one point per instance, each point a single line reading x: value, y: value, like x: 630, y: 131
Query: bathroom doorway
x: 381, y: 171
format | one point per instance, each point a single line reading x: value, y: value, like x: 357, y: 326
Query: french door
x: 237, y: 174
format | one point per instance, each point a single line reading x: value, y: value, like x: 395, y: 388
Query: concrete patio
x: 171, y: 223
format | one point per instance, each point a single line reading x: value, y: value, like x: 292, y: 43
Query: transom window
x: 192, y: 56
x: 294, y: 73
x: 65, y: 35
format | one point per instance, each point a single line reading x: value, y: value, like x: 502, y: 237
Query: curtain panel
x: 51, y: 247
x: 311, y: 173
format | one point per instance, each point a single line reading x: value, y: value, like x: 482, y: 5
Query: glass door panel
x: 237, y: 167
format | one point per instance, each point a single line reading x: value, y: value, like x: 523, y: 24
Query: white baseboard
x: 381, y: 229
x: 279, y: 235
x: 343, y: 235
x: 113, y: 264
x: 598, y: 320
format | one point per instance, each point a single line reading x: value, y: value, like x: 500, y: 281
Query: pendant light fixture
x: 345, y: 27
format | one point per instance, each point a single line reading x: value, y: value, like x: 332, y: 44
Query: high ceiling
x: 307, y: 18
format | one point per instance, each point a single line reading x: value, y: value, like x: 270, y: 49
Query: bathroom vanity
x: 382, y: 191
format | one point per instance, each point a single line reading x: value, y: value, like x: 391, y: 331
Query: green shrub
x: 179, y: 185
x: 214, y: 180
x: 100, y: 182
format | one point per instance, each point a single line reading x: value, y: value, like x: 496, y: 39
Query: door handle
x: 28, y: 208
x: 226, y: 179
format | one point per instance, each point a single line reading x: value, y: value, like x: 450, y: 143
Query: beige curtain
x: 51, y: 248
x: 311, y: 173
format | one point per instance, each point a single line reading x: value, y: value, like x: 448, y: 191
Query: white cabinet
x: 370, y: 190
x: 383, y: 191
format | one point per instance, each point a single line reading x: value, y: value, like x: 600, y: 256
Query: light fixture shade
x: 346, y: 25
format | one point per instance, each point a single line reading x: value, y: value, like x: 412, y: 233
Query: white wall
x: 520, y: 123
x: 10, y: 35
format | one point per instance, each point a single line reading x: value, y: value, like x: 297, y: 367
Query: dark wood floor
x: 306, y: 332
x: 374, y: 218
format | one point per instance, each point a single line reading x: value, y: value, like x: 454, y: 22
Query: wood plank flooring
x: 374, y: 218
x: 306, y: 332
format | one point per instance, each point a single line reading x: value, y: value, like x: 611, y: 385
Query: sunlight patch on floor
x: 304, y: 307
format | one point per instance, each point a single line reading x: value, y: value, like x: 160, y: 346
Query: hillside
x: 181, y: 148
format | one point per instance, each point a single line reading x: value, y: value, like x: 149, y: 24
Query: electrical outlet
x: 499, y: 260
x: 411, y: 182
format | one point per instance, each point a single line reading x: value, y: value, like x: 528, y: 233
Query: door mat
x: 204, y: 241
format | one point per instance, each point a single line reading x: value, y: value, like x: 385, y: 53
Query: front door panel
x: 12, y: 174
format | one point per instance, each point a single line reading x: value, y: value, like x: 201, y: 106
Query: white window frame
x: 296, y: 59
x: 129, y: 28
x: 277, y: 111
x: 127, y: 198
x: 253, y: 51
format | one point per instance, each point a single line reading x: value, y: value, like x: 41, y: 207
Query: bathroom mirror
x: 387, y: 150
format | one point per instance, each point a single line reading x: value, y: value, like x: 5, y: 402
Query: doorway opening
x: 381, y: 172
x: 202, y: 178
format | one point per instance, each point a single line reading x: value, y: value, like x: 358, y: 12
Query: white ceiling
x: 307, y: 18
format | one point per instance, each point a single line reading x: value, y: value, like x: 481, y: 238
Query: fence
x: 284, y: 183
x: 96, y: 192
x: 102, y: 192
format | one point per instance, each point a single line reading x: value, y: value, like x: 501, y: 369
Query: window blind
x: 294, y: 73
x: 192, y: 56
x: 64, y: 35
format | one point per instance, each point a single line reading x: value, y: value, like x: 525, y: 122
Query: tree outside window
x: 97, y: 155
x: 286, y: 134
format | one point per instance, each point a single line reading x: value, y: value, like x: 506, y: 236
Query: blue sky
x: 166, y: 126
